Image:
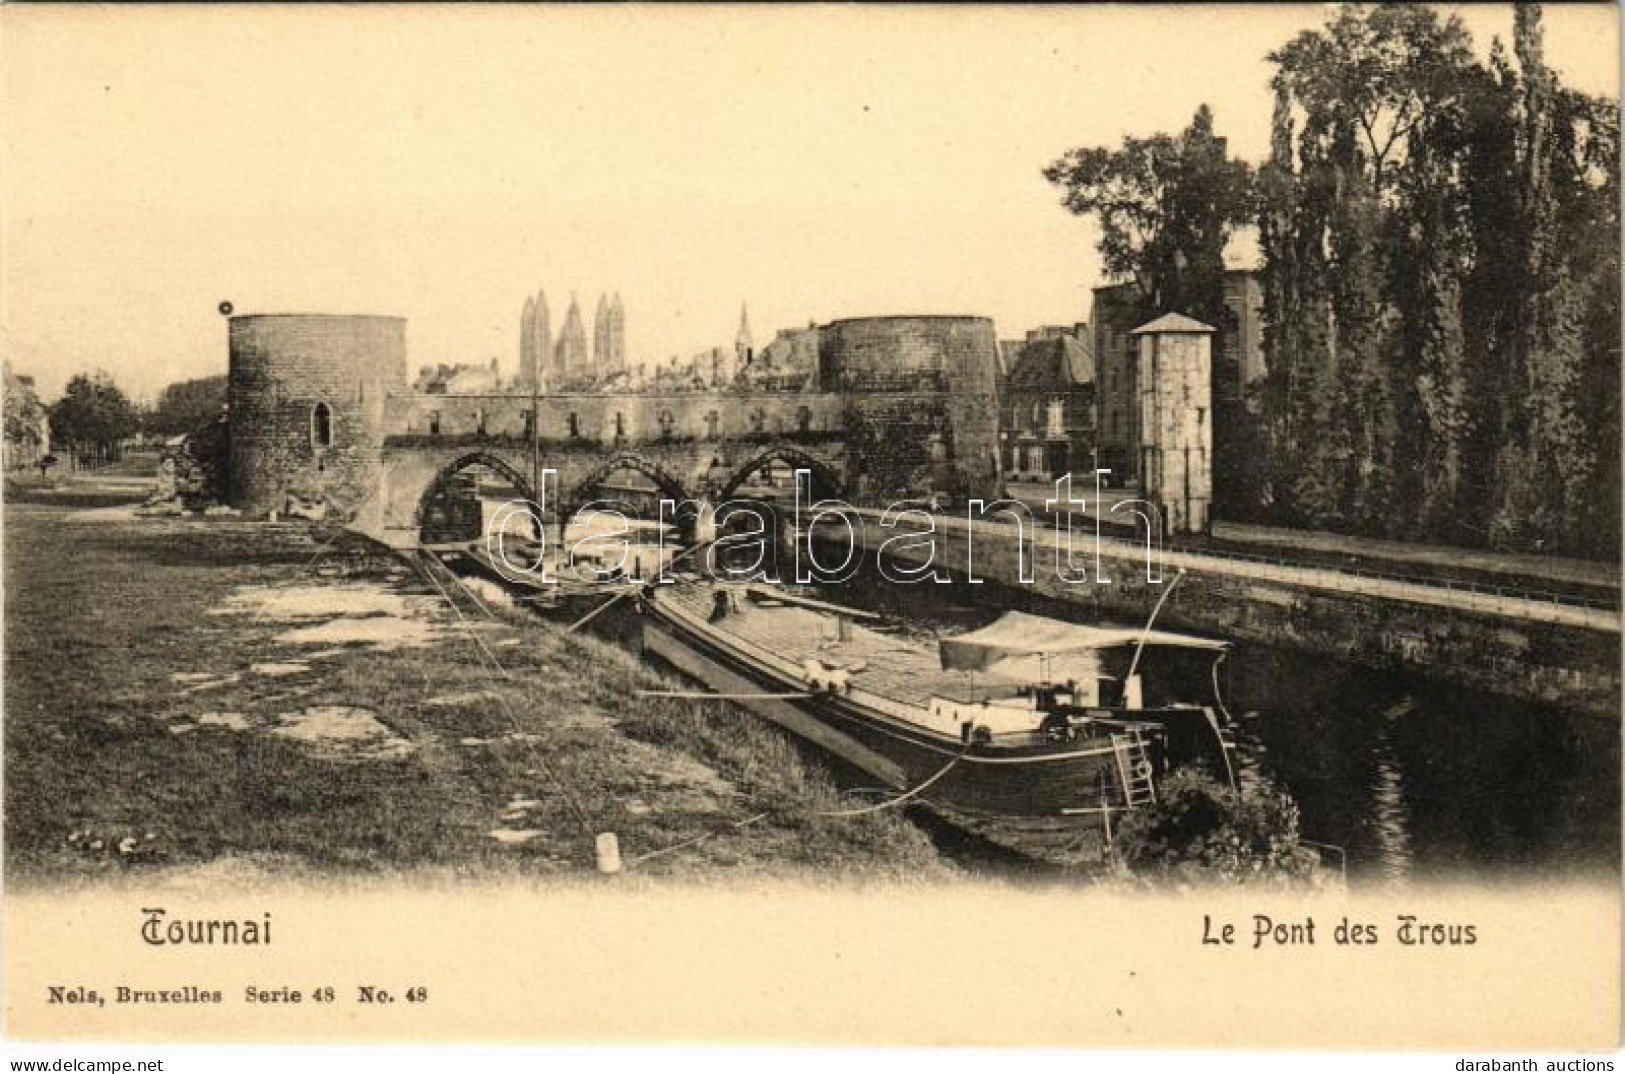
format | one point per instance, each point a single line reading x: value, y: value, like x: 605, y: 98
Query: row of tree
x: 1440, y: 241
x: 94, y: 418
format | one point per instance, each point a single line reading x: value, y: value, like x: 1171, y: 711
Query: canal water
x: 1413, y: 778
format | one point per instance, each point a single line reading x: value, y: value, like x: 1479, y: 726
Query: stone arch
x: 827, y: 469
x: 474, y: 458
x: 665, y: 481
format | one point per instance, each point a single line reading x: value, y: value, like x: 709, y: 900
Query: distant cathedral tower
x: 609, y: 337
x: 570, y: 355
x: 742, y: 340
x: 534, y: 335
x: 541, y: 347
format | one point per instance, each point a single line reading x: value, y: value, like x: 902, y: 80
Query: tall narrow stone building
x: 570, y: 358
x: 541, y: 347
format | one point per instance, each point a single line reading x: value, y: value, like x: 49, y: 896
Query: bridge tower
x: 1175, y: 393
x: 306, y: 410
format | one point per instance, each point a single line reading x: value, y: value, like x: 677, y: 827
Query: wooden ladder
x: 1134, y: 769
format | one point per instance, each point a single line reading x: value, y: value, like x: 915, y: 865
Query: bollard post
x: 609, y: 853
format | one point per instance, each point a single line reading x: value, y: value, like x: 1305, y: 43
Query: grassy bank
x: 232, y: 699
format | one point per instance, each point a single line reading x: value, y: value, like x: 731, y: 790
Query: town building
x: 1048, y: 404
x: 789, y: 362
x: 1237, y: 365
x: 27, y: 425
x: 461, y: 378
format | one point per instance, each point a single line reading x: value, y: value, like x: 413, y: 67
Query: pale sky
x: 441, y: 164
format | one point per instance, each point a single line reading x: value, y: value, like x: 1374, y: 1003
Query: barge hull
x: 972, y: 781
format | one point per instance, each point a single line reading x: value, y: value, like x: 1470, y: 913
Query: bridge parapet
x: 622, y: 417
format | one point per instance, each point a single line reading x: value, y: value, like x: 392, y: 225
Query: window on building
x: 667, y: 423
x: 479, y: 422
x: 758, y: 420
x: 434, y: 423
x: 803, y: 419
x: 1055, y: 420
x: 530, y: 424
x: 321, y: 426
x: 712, y: 420
x: 575, y: 426
x: 620, y: 425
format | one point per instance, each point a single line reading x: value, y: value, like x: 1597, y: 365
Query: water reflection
x: 1414, y: 779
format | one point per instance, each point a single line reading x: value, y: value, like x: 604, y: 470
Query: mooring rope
x: 604, y: 607
x: 892, y: 803
x: 326, y: 545
x: 837, y: 814
x: 1217, y: 696
x: 702, y: 695
x: 696, y: 840
x: 541, y: 762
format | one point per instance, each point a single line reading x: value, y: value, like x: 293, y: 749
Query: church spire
x: 527, y: 342
x: 742, y: 339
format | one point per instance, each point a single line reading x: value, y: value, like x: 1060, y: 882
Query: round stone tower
x: 922, y: 408
x: 306, y: 394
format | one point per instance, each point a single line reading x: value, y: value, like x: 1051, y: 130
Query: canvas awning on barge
x: 1017, y: 634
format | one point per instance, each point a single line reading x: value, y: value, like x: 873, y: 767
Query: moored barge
x: 1037, y: 734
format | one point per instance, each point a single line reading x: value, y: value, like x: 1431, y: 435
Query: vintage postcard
x: 1074, y: 526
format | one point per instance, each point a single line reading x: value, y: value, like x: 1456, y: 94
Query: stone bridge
x: 699, y: 447
x: 320, y: 414
x: 576, y: 474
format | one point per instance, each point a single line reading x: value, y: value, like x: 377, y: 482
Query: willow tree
x: 1166, y: 207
